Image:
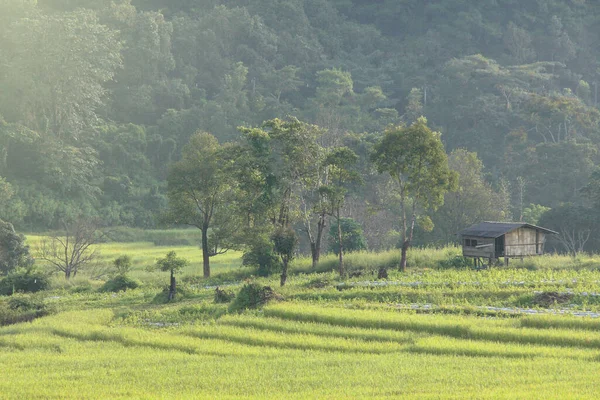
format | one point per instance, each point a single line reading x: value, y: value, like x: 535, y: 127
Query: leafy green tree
x: 272, y: 167
x: 414, y: 157
x: 533, y: 213
x: 474, y: 199
x: 59, y: 62
x: 172, y: 264
x: 13, y: 250
x: 353, y: 238
x: 285, y: 242
x: 198, y: 191
x: 340, y: 163
x: 122, y: 265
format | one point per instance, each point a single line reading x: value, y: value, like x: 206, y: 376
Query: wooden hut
x: 493, y: 240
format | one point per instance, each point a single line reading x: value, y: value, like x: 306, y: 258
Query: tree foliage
x: 415, y: 159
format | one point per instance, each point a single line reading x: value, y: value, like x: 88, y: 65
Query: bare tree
x: 71, y: 250
x: 574, y: 240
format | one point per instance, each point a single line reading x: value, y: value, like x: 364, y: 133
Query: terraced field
x: 528, y: 331
x: 300, y: 350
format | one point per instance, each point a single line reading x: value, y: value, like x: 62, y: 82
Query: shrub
x: 119, y: 283
x: 22, y: 308
x: 252, y: 295
x: 122, y: 264
x: 456, y: 262
x: 262, y: 256
x: 25, y: 281
x: 223, y: 296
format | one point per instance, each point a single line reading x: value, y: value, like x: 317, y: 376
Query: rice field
x: 429, y: 333
x: 296, y: 350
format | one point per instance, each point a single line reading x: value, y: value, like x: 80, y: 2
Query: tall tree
x: 474, y: 200
x: 414, y: 157
x: 198, y: 190
x: 340, y: 163
x: 279, y: 160
x: 57, y: 65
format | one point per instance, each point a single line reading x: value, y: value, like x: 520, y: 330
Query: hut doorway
x: 499, y: 246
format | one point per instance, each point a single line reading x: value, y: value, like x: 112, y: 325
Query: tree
x: 352, y: 236
x: 575, y: 225
x: 340, y: 163
x: 173, y: 264
x: 73, y: 249
x: 13, y: 250
x: 198, y: 190
x: 474, y: 199
x: 57, y: 66
x: 273, y: 166
x: 414, y: 157
x: 285, y: 241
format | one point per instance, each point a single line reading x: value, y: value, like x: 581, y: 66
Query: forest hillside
x: 99, y: 98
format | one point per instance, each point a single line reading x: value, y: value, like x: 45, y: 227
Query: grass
x: 94, y: 354
x: 427, y: 333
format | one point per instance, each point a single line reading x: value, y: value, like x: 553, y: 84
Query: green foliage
x: 23, y: 308
x: 24, y: 280
x: 223, y: 296
x: 285, y: 242
x: 119, y: 283
x: 533, y: 213
x: 252, y: 295
x: 262, y: 255
x: 352, y: 236
x: 122, y: 265
x: 171, y: 263
x: 13, y: 251
x: 456, y: 262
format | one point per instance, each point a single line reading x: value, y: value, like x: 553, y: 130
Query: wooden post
x: 506, y: 261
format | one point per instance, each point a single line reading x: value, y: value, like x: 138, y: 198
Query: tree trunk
x: 68, y: 273
x: 205, y: 252
x: 406, y: 242
x: 405, y: 246
x: 284, y: 271
x: 315, y: 247
x: 172, y: 287
x: 339, y: 226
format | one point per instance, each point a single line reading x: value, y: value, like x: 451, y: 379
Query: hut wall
x: 483, y: 252
x: 522, y: 242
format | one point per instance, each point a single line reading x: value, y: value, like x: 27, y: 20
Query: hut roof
x: 491, y: 229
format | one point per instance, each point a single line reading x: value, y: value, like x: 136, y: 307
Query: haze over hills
x: 97, y: 98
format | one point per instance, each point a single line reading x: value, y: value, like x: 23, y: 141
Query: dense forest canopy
x: 98, y: 98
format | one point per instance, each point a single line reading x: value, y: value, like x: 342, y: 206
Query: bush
x: 223, y: 296
x: 252, y: 295
x: 22, y: 308
x: 119, y: 283
x: 262, y: 256
x: 456, y: 262
x: 25, y: 281
x: 122, y: 264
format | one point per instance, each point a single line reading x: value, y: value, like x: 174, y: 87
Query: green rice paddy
x: 429, y: 333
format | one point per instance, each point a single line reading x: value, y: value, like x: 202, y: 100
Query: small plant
x: 223, y: 296
x: 172, y: 264
x: 252, y: 295
x: 122, y: 265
